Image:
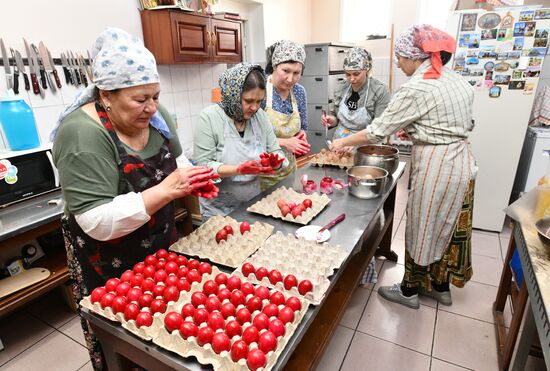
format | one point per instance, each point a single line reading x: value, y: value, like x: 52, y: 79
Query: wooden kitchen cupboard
x: 178, y: 37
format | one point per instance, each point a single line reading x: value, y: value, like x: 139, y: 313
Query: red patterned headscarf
x: 422, y: 42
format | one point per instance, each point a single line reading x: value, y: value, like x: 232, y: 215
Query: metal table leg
x: 525, y: 339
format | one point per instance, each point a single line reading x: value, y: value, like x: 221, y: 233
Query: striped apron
x: 440, y: 175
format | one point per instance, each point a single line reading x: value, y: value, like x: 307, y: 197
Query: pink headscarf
x: 422, y: 42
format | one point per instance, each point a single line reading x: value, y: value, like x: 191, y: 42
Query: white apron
x: 440, y: 175
x: 350, y: 122
x: 238, y: 188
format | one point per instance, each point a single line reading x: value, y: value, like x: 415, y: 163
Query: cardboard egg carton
x: 206, y: 355
x: 231, y: 252
x: 326, y: 157
x: 268, y: 205
x: 304, y: 259
x: 147, y: 332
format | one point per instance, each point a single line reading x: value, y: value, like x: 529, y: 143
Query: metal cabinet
x: 323, y: 72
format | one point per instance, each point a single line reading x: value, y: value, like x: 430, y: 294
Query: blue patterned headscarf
x: 120, y: 61
x: 231, y: 84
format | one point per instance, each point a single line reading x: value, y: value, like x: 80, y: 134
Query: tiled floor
x: 373, y: 334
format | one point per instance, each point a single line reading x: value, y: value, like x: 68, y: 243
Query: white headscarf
x: 120, y: 60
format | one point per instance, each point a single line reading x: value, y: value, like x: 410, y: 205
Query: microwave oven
x: 27, y: 175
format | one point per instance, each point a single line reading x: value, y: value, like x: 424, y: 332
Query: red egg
x: 212, y: 304
x: 158, y: 306
x: 111, y: 284
x: 161, y: 254
x: 251, y: 335
x: 216, y: 321
x: 138, y: 267
x: 161, y: 264
x: 254, y: 304
x: 247, y: 268
x: 204, y: 268
x: 307, y: 203
x: 172, y: 256
x: 228, y: 229
x: 205, y: 335
x: 188, y: 329
x: 158, y: 290
x: 200, y: 316
x: 194, y: 276
x: 150, y: 260
x: 131, y: 311
x: 261, y: 321
x: 267, y: 342
x: 244, y: 227
x: 247, y: 288
x: 243, y: 316
x: 198, y: 298
x: 286, y: 315
x: 220, y: 342
x: 97, y: 294
x: 233, y: 283
x: 134, y: 294
x: 183, y: 285
x: 182, y: 272
x: 305, y: 286
x: 271, y: 310
x: 160, y: 275
x: 275, y: 276
x: 171, y: 280
x: 221, y: 235
x: 237, y: 298
x: 256, y: 359
x: 149, y: 271
x: 144, y: 319
x: 277, y: 298
x: 261, y: 273
x: 233, y: 328
x: 277, y: 327
x: 145, y: 300
x: 262, y: 292
x: 137, y: 280
x: 221, y: 278
x: 193, y: 264
x: 210, y: 287
x: 171, y: 267
x: 224, y: 294
x: 181, y: 260
x: 239, y: 350
x: 107, y: 300
x: 122, y: 288
x: 227, y: 309
x: 171, y: 293
x: 172, y: 321
x: 187, y: 310
x: 119, y: 304
x: 290, y: 281
x: 127, y: 276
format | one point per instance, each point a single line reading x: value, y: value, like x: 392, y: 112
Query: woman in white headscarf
x: 359, y: 99
x: 116, y: 149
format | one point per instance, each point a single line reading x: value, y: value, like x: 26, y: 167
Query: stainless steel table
x: 366, y: 231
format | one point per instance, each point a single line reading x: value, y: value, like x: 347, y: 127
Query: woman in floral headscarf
x: 116, y: 149
x: 232, y: 135
x: 359, y: 99
x: 435, y: 109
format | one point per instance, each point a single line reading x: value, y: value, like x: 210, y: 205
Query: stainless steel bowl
x: 543, y: 227
x: 366, y: 181
x: 378, y: 155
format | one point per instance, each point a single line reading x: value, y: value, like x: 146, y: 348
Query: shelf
x: 57, y: 265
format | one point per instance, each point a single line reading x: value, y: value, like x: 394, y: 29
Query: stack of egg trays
x: 268, y: 205
x: 304, y: 259
x: 231, y: 252
x: 206, y: 355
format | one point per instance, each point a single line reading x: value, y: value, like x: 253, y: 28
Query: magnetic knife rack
x: 56, y: 61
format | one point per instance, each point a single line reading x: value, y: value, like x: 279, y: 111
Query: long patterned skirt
x: 455, y: 265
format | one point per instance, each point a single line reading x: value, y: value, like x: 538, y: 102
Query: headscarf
x: 422, y: 42
x: 119, y: 60
x: 231, y: 84
x: 357, y: 59
x: 286, y: 51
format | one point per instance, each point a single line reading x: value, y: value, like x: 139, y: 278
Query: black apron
x: 101, y: 260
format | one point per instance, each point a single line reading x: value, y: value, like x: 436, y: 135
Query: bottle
x: 18, y: 124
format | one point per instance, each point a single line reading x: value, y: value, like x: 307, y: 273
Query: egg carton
x: 268, y: 205
x: 147, y: 332
x: 234, y: 251
x: 222, y: 361
x: 304, y: 259
x: 325, y: 157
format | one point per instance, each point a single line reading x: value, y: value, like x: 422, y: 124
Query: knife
x: 47, y: 67
x: 66, y: 72
x: 7, y: 70
x: 87, y: 66
x: 15, y: 73
x: 72, y: 62
x: 336, y: 220
x: 34, y: 69
x: 21, y: 66
x: 50, y: 65
x: 82, y: 69
x: 41, y: 68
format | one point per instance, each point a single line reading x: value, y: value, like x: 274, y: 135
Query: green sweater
x: 209, y: 139
x: 88, y: 161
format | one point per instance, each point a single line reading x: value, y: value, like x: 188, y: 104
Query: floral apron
x: 92, y: 262
x: 284, y: 126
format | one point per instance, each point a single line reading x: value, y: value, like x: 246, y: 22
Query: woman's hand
x: 328, y: 120
x: 186, y: 180
x: 339, y: 146
x: 295, y: 144
x: 401, y: 134
x: 254, y: 167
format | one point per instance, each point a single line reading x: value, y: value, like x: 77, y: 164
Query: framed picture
x: 468, y: 22
x: 489, y: 20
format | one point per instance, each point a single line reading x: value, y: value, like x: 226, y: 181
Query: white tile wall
x: 185, y: 91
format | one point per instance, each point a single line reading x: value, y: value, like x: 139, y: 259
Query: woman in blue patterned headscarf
x: 115, y: 149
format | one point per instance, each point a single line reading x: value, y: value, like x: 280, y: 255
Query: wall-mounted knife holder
x: 56, y: 61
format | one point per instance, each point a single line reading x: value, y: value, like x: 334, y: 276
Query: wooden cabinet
x: 178, y: 37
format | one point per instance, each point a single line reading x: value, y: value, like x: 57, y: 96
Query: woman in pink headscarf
x: 435, y: 109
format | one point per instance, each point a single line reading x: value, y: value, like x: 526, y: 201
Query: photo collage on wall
x: 498, y: 52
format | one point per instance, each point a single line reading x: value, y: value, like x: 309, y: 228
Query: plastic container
x: 18, y: 124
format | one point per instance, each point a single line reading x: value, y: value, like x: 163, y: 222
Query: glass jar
x: 326, y: 185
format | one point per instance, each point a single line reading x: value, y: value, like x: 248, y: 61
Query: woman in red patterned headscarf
x: 434, y: 108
